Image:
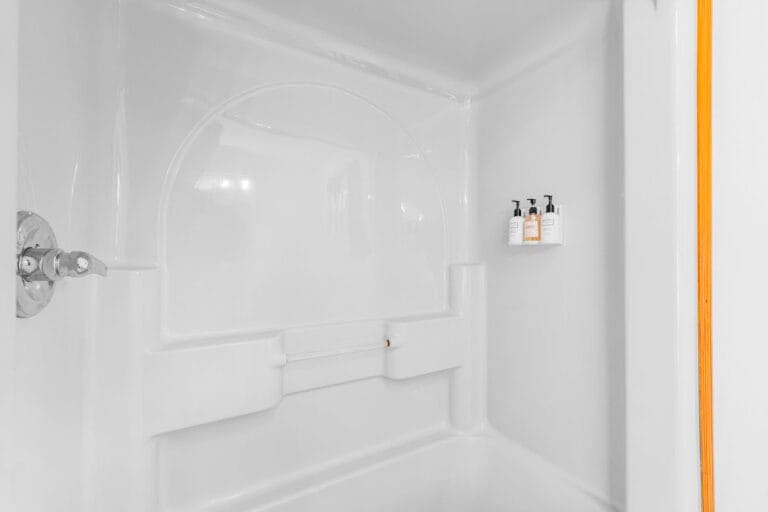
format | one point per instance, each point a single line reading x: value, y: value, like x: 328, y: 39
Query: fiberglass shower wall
x: 556, y: 314
x: 242, y: 177
x: 183, y: 142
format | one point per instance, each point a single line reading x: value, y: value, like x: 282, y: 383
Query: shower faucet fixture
x: 41, y: 264
x: 54, y: 264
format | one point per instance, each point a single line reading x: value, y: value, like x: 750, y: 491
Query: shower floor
x: 451, y: 473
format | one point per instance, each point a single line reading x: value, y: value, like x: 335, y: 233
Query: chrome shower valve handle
x: 36, y: 264
x: 41, y: 264
x: 79, y: 264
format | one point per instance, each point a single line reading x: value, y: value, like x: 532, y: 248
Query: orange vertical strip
x: 704, y: 139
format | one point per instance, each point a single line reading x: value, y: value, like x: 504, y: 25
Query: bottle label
x: 532, y: 230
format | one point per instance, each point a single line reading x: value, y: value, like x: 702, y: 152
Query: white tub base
x: 444, y: 472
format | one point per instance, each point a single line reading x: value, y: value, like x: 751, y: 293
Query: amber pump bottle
x: 532, y: 226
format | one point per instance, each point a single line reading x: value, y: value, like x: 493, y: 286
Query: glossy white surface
x: 275, y: 202
x: 555, y: 314
x: 298, y: 201
x: 663, y: 468
x: 49, y: 354
x: 454, y: 474
x: 740, y: 248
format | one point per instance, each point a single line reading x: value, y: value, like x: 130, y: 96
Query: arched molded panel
x: 299, y: 204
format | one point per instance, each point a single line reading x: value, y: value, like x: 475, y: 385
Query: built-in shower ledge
x: 194, y: 384
x: 235, y: 379
x: 439, y: 469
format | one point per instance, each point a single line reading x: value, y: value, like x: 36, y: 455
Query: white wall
x: 556, y: 345
x: 103, y: 112
x: 663, y: 468
x: 740, y: 250
x: 105, y: 115
x: 53, y: 144
x: 355, y: 182
x: 8, y: 116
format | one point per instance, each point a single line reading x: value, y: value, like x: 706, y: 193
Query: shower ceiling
x: 468, y: 44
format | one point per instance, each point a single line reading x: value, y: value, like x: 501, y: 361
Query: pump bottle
x: 532, y: 225
x: 550, y: 224
x: 516, y: 227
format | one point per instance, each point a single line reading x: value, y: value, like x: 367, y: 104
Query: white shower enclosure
x: 311, y: 303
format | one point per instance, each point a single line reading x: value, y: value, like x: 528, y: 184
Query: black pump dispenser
x: 550, y: 207
x: 532, y: 210
x: 518, y: 212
